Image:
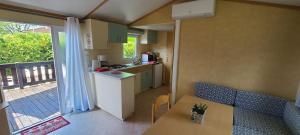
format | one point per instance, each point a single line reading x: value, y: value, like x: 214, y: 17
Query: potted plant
x: 198, y: 112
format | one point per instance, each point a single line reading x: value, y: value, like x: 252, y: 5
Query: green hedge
x: 25, y: 47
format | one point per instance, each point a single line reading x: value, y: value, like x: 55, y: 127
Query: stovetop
x: 117, y: 66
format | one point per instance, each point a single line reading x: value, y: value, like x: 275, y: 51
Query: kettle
x: 95, y: 64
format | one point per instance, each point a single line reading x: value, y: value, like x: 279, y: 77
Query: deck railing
x: 24, y: 74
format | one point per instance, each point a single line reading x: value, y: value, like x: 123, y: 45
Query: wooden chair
x: 161, y: 100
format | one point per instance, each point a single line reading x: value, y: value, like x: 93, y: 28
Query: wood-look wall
x: 254, y: 47
x: 6, y: 15
x: 161, y: 48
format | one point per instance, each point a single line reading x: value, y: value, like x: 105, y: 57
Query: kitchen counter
x: 136, y: 68
x: 122, y: 75
x: 130, y: 66
x: 122, y: 87
x: 128, y: 71
x: 115, y: 93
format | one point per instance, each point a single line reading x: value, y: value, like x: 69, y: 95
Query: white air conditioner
x: 196, y: 8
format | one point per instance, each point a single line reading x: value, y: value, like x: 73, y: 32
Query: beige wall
x: 162, y: 15
x: 161, y: 48
x: 246, y: 46
x: 6, y: 15
x: 169, y: 61
x: 115, y: 53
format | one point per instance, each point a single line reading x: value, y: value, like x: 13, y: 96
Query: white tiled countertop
x: 122, y: 75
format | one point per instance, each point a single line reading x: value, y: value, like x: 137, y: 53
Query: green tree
x: 129, y: 47
x: 25, y: 47
x: 17, y: 44
x: 11, y: 28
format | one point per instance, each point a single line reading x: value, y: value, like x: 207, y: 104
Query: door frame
x: 58, y: 61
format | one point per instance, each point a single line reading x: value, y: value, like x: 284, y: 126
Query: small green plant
x: 199, y: 108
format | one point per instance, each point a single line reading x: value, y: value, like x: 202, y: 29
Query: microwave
x: 148, y: 57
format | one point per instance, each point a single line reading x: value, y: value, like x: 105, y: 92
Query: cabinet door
x: 123, y: 34
x: 86, y: 29
x: 112, y: 33
x: 137, y: 83
x: 99, y: 34
x: 143, y: 80
x: 146, y: 79
x: 117, y: 33
x: 95, y: 34
x: 152, y: 37
x: 150, y: 78
x: 149, y: 37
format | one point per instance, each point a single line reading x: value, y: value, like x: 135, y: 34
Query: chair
x: 161, y: 100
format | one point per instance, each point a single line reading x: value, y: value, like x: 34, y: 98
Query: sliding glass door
x: 59, y: 45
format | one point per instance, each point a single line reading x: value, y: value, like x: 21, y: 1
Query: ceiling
x: 127, y: 11
x: 122, y: 11
x: 159, y: 27
x: 78, y: 8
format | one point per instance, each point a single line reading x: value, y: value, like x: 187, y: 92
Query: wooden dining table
x: 218, y: 119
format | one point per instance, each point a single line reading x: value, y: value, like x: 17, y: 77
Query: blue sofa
x: 254, y: 113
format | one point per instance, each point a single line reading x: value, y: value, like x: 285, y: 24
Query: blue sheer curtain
x: 77, y: 96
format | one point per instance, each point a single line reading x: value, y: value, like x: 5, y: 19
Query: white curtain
x: 77, y: 95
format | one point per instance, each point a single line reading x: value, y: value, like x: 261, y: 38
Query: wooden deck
x: 31, y: 105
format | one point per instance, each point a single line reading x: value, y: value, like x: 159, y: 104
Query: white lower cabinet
x: 137, y: 84
x: 115, y: 95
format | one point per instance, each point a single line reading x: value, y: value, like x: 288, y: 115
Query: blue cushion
x: 261, y: 122
x: 260, y: 103
x: 292, y: 117
x: 239, y: 130
x: 215, y: 93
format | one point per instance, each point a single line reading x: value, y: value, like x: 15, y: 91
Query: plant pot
x: 197, y: 118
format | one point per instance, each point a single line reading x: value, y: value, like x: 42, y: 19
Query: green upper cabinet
x: 117, y: 33
x: 149, y: 37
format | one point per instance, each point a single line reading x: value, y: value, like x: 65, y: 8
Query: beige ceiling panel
x: 77, y: 8
x: 126, y: 11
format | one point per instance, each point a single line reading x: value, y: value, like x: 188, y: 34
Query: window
x: 129, y: 48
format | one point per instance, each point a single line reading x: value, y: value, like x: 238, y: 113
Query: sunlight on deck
x: 31, y: 105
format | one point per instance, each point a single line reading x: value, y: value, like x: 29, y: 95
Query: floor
x: 99, y: 122
x: 31, y: 105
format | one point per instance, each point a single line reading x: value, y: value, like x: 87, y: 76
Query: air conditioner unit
x: 196, y: 8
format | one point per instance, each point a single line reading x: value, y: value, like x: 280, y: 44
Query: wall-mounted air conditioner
x: 196, y: 8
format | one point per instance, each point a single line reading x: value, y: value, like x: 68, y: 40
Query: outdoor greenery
x: 18, y: 44
x: 129, y: 48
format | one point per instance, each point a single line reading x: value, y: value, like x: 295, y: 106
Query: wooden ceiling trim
x: 267, y: 4
x: 96, y: 8
x: 31, y: 11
